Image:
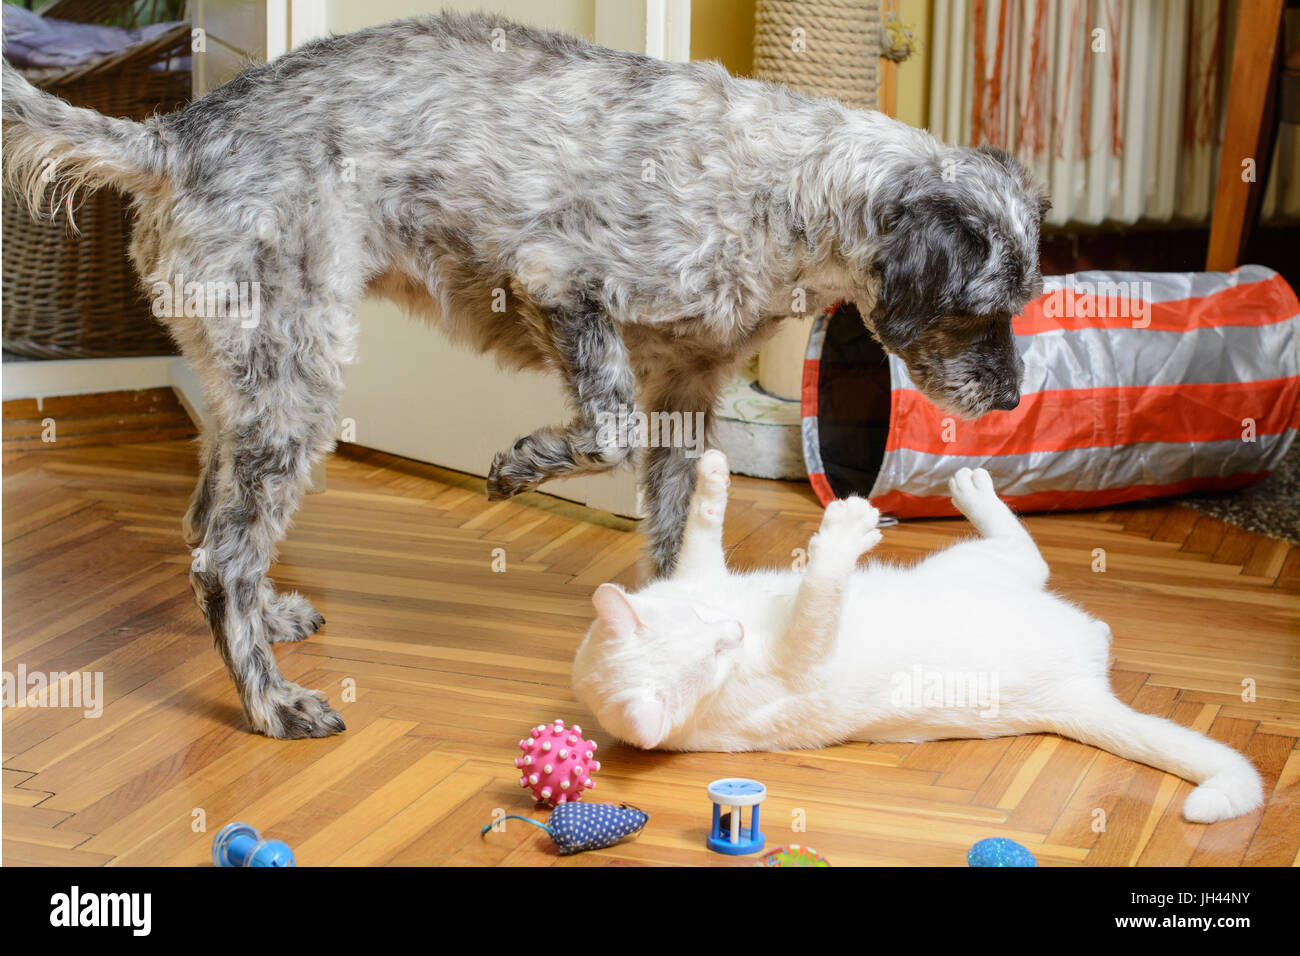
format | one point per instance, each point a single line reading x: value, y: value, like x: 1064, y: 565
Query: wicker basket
x: 69, y: 295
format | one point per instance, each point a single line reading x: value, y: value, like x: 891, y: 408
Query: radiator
x: 1117, y: 105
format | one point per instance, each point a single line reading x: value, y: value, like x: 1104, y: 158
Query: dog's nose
x: 1007, y: 401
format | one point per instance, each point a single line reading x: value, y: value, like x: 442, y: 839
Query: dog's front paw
x: 508, y: 477
x: 848, y: 526
x: 712, y: 480
x: 289, y: 617
x: 290, y: 712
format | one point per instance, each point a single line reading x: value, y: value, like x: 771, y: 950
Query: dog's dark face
x: 957, y: 259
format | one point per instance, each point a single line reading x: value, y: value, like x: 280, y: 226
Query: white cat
x: 968, y: 643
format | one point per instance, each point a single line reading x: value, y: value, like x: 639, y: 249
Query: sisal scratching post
x: 821, y: 47
x: 825, y: 48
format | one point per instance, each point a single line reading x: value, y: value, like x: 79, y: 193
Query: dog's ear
x: 1002, y: 157
x: 1018, y: 169
x: 928, y: 253
x: 1044, y: 205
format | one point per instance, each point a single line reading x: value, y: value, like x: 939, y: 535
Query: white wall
x: 236, y: 34
x: 575, y: 16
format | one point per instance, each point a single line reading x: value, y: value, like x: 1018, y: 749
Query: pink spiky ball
x: 557, y: 763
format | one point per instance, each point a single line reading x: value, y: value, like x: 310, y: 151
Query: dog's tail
x: 54, y: 149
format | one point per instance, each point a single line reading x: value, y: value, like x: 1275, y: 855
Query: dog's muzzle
x: 1007, y: 400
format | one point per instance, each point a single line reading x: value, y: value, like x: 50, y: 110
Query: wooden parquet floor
x: 447, y: 663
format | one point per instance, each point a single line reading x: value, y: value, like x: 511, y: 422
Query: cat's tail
x: 1229, y: 784
x: 52, y: 147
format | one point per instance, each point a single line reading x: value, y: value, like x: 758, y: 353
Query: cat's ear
x: 614, y: 608
x: 647, y: 721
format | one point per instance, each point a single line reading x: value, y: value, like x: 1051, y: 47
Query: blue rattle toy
x: 729, y: 835
x: 238, y: 844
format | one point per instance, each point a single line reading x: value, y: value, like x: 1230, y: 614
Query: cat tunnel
x: 1137, y: 385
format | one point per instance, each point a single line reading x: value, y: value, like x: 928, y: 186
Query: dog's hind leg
x: 589, y: 352
x: 288, y: 617
x: 278, y: 409
x: 195, y: 523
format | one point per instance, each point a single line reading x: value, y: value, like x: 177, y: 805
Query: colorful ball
x: 792, y: 855
x: 557, y: 763
x: 999, y: 851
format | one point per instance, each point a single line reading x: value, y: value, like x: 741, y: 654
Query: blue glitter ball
x: 999, y: 851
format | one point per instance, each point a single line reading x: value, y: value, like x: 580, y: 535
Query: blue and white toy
x: 238, y: 844
x: 736, y: 793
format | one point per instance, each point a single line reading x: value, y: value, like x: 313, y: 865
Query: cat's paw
x: 712, y: 479
x: 849, y: 525
x: 712, y: 469
x: 851, y: 514
x: 971, y: 488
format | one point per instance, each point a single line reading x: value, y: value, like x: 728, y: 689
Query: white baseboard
x: 186, y: 386
x: 42, y: 380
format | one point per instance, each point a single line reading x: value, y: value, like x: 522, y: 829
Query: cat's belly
x: 913, y: 731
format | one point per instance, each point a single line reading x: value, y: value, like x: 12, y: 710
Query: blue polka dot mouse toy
x: 576, y: 827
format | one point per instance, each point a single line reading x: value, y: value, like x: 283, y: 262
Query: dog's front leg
x: 586, y: 347
x: 847, y: 531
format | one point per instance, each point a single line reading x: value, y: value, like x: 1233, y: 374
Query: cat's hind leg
x: 973, y: 495
x: 701, y: 550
